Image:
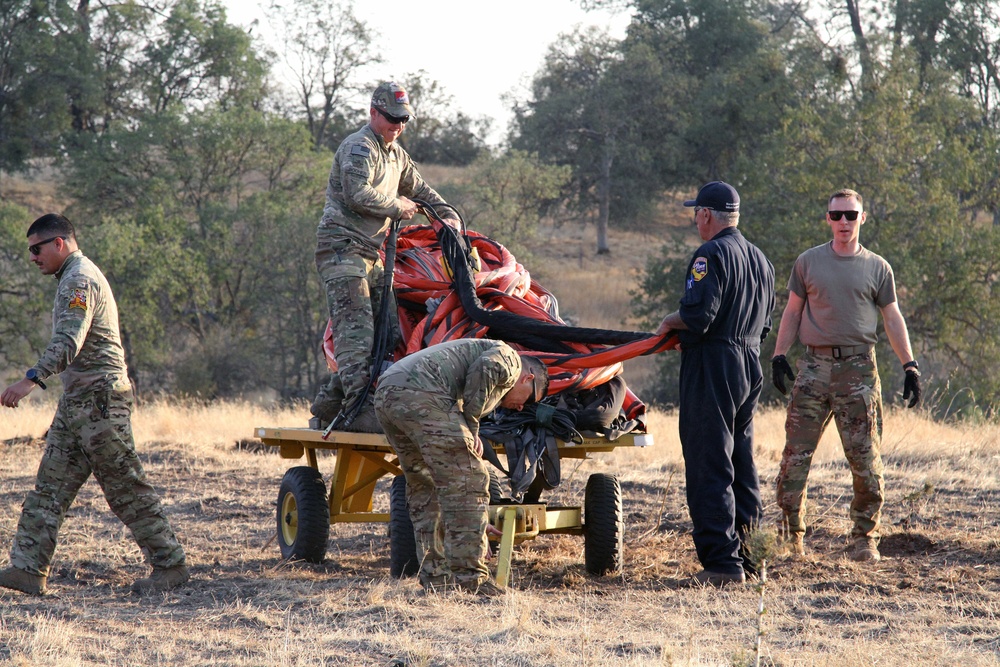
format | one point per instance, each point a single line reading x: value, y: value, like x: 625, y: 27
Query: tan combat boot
x: 865, y: 549
x: 796, y: 545
x: 19, y: 580
x: 487, y: 589
x: 162, y: 580
x: 365, y: 422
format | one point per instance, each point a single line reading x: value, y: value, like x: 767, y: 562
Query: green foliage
x: 439, y: 135
x: 919, y: 148
x: 694, y: 86
x: 71, y: 70
x: 31, y: 113
x: 196, y: 57
x: 205, y: 226
x: 575, y: 117
x: 505, y: 197
x: 25, y: 296
x: 659, y: 293
x: 326, y: 48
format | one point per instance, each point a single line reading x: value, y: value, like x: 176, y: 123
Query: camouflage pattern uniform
x: 92, y: 431
x: 837, y: 379
x: 366, y: 180
x: 848, y: 391
x: 430, y: 404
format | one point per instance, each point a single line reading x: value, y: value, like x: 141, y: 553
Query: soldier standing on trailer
x: 372, y: 182
x: 92, y: 429
x: 430, y: 404
x: 724, y: 315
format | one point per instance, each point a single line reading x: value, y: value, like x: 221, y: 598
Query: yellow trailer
x: 305, y: 510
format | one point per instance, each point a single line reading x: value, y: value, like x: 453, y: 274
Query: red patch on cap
x: 401, y: 97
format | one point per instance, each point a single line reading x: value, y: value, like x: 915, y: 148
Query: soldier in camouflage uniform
x: 92, y: 431
x: 430, y: 404
x: 372, y: 182
x: 835, y: 293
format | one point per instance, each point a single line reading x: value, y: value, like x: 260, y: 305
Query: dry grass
x: 934, y: 599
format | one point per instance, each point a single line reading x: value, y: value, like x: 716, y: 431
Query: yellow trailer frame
x: 364, y: 458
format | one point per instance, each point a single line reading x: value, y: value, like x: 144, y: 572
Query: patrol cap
x: 718, y: 196
x: 540, y: 382
x: 391, y: 98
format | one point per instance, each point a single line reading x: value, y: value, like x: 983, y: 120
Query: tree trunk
x: 864, y: 53
x: 78, y: 108
x: 604, y: 195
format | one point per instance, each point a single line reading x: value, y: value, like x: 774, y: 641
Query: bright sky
x: 478, y: 51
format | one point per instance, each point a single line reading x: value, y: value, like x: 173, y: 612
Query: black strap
x: 383, y: 336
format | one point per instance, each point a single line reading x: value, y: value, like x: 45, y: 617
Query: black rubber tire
x: 604, y: 525
x: 496, y: 487
x: 303, y: 515
x: 403, y: 561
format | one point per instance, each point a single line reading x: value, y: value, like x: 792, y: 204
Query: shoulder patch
x: 78, y: 299
x: 361, y: 150
x: 699, y: 268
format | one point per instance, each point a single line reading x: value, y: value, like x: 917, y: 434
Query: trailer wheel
x: 496, y: 487
x: 604, y: 527
x: 303, y: 515
x: 403, y: 561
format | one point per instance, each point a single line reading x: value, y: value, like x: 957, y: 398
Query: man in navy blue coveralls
x: 724, y: 315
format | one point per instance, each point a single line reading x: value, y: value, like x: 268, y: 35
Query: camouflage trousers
x: 85, y: 439
x: 446, y: 483
x: 848, y: 391
x: 354, y: 281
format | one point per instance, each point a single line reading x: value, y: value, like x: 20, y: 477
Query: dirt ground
x: 934, y: 599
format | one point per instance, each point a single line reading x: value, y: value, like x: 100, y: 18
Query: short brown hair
x: 846, y: 193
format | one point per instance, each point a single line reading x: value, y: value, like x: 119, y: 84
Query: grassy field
x: 933, y: 600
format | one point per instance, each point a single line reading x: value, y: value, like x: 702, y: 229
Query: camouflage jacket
x: 473, y: 373
x: 366, y: 180
x: 86, y: 347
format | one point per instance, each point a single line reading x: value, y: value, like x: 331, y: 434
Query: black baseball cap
x: 718, y: 196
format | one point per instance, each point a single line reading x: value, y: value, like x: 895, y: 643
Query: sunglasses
x: 850, y: 215
x: 36, y: 249
x: 395, y: 120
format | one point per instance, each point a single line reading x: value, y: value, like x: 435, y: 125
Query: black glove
x: 779, y: 371
x: 911, y: 385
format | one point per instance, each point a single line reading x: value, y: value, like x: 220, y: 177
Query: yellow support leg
x: 508, y: 522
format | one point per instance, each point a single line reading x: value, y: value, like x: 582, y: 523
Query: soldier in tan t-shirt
x: 835, y: 294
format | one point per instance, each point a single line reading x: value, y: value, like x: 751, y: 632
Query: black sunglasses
x: 395, y: 120
x: 36, y: 249
x: 850, y: 215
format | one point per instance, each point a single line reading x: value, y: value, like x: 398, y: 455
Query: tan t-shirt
x: 843, y: 295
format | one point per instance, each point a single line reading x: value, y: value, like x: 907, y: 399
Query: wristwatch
x: 912, y: 364
x: 32, y: 375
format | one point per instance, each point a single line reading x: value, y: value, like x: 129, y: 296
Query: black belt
x: 839, y: 352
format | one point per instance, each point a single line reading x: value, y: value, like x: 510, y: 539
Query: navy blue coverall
x: 727, y: 306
